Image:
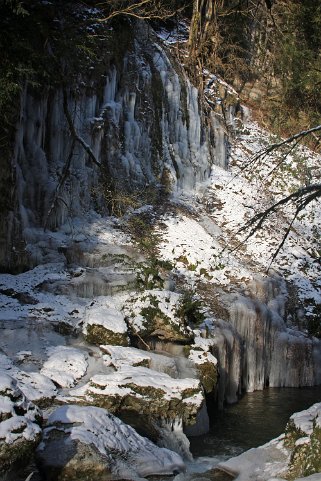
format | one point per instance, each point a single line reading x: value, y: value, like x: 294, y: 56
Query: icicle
x: 171, y: 436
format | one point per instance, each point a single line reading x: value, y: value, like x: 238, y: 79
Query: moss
x: 166, y: 181
x: 183, y: 260
x: 63, y: 328
x: 148, y: 277
x: 203, y: 272
x: 97, y: 335
x: 292, y: 434
x: 152, y: 314
x: 190, y: 309
x: 16, y: 454
x: 189, y: 392
x: 142, y: 230
x: 208, y: 376
x: 192, y: 267
x: 143, y: 363
x: 312, y: 461
x: 147, y: 391
x: 158, y: 325
x: 151, y: 275
x: 305, y: 458
x: 187, y: 350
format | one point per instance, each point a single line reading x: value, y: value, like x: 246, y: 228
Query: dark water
x: 256, y: 419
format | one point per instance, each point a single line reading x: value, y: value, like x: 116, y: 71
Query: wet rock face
x: 81, y: 443
x: 60, y: 458
x: 19, y: 428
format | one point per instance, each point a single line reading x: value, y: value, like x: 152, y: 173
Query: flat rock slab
x: 144, y: 391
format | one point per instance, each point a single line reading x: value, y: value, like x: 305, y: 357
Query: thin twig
x: 74, y: 132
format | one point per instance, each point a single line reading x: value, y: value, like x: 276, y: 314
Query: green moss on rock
x: 292, y: 434
x: 16, y: 454
x: 208, y: 376
x: 97, y: 334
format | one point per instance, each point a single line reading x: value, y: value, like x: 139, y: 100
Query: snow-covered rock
x: 171, y: 362
x: 65, y: 365
x: 19, y: 429
x: 142, y: 391
x: 119, y: 356
x: 261, y: 463
x: 90, y: 441
x: 303, y: 436
x: 105, y: 324
x: 34, y: 385
x: 294, y: 455
x: 206, y: 364
x: 155, y: 314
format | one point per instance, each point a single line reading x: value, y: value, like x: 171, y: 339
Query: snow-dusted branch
x: 293, y: 138
x: 300, y: 198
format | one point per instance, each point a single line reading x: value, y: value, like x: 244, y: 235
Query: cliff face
x: 141, y: 120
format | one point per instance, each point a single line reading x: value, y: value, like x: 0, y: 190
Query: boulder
x: 105, y: 324
x: 65, y: 365
x: 155, y: 315
x: 81, y: 443
x: 144, y: 391
x: 19, y: 425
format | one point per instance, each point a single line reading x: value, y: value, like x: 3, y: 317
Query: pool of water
x: 256, y: 419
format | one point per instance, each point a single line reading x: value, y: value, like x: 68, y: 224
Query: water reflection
x: 257, y: 418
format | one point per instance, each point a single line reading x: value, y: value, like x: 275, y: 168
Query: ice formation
x: 86, y: 267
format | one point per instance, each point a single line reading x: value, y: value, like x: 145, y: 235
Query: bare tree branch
x: 143, y: 9
x: 63, y: 178
x: 74, y: 132
x: 301, y: 198
x: 263, y: 153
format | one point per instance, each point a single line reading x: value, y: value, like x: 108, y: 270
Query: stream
x: 256, y: 419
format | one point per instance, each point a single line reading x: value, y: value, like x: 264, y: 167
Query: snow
x: 166, y: 301
x: 35, y: 386
x: 119, y: 383
x: 102, y: 312
x: 18, y: 427
x: 128, y: 453
x: 174, y: 365
x: 172, y: 37
x: 305, y: 420
x: 201, y: 357
x: 196, y: 253
x: 14, y: 427
x: 270, y: 462
x: 261, y: 463
x: 237, y: 194
x: 65, y: 365
x: 119, y: 356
